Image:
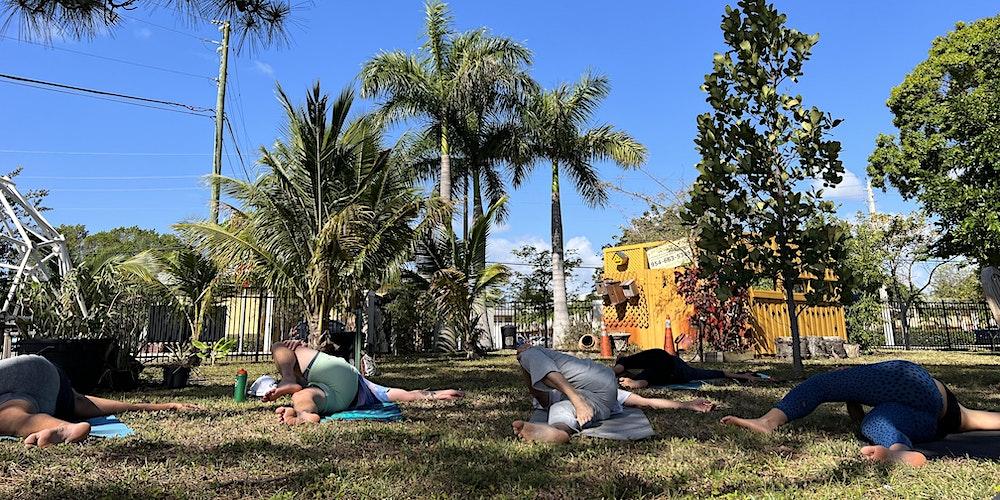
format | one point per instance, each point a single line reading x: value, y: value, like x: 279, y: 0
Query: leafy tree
x: 189, y: 280
x: 947, y: 112
x: 442, y: 83
x: 335, y: 215
x: 123, y: 242
x: 753, y: 206
x: 555, y: 131
x: 535, y: 286
x: 724, y: 323
x: 955, y: 281
x: 257, y: 21
x: 660, y: 222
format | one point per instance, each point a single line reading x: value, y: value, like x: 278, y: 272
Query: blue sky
x: 655, y: 53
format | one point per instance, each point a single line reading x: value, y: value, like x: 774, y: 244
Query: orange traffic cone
x: 668, y: 338
x: 605, y: 345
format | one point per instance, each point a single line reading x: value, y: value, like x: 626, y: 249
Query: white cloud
x: 850, y: 188
x: 143, y: 33
x: 264, y: 68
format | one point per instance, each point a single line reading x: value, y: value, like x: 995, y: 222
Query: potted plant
x: 182, y: 359
x: 724, y: 324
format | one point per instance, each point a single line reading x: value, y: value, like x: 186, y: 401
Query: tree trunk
x: 793, y: 322
x: 479, y: 263
x: 318, y: 318
x: 560, y: 314
x: 904, y: 321
x: 477, y: 212
x: 465, y: 208
x: 445, y: 167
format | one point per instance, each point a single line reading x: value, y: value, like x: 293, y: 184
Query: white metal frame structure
x: 36, y: 242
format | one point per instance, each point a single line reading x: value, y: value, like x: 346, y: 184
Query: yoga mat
x: 978, y: 444
x: 101, y: 427
x: 388, y: 412
x: 694, y: 385
x: 629, y: 425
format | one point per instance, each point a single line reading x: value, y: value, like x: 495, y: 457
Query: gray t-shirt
x: 581, y: 373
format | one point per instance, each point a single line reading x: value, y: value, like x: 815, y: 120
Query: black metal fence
x: 939, y: 325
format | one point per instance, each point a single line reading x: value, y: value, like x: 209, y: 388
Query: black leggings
x: 659, y: 367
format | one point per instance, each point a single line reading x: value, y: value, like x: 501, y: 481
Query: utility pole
x: 220, y: 115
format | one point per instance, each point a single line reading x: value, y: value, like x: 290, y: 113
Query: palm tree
x: 449, y: 269
x: 442, y: 82
x: 554, y: 131
x: 335, y: 215
x: 188, y: 279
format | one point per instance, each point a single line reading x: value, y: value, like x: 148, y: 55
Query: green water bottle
x: 240, y: 390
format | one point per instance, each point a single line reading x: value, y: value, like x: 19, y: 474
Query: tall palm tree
x: 555, y: 131
x: 441, y: 83
x: 335, y: 215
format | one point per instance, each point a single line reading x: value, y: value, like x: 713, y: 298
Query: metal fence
x: 533, y: 320
x: 940, y: 325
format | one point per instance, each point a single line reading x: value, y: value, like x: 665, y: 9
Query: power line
x: 108, y: 178
x: 123, y: 61
x: 104, y: 92
x: 141, y: 105
x: 236, y: 145
x: 121, y: 190
x: 532, y: 265
x: 165, y: 28
x: 97, y: 153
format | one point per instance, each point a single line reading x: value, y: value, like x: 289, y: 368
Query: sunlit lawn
x: 465, y: 449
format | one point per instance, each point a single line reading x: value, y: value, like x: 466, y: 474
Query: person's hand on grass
x: 182, y: 407
x: 700, y: 405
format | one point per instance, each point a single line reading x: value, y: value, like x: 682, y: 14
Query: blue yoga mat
x: 102, y: 427
x: 388, y: 412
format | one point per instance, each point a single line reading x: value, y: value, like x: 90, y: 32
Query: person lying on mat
x: 322, y: 384
x: 908, y: 406
x: 544, y: 399
x: 659, y: 367
x: 38, y: 403
x: 590, y: 388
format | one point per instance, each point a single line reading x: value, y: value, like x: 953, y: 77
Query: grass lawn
x: 465, y: 449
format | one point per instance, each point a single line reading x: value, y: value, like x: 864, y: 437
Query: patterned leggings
x: 905, y: 400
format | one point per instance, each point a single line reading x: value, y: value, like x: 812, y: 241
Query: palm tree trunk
x: 477, y: 212
x: 465, y: 207
x: 560, y: 316
x: 445, y: 167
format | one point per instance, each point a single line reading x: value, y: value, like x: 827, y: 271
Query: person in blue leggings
x: 659, y: 367
x: 907, y: 406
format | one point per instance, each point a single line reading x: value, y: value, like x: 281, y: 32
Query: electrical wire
x: 23, y: 79
x: 108, y: 178
x: 141, y: 105
x: 236, y: 145
x: 97, y: 153
x: 97, y: 56
x: 172, y: 30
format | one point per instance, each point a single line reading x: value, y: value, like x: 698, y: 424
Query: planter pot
x: 713, y: 357
x: 83, y: 360
x: 852, y: 350
x: 619, y: 341
x: 737, y: 357
x: 176, y: 377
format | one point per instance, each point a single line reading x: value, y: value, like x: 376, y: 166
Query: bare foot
x: 539, y: 433
x: 755, y: 424
x: 632, y: 384
x: 289, y: 416
x: 447, y: 394
x: 283, y: 389
x: 882, y: 454
x: 67, y: 433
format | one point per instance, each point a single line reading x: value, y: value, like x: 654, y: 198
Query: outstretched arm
x: 93, y: 406
x: 698, y: 405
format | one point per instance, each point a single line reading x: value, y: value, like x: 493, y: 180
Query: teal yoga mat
x: 102, y: 427
x: 388, y: 412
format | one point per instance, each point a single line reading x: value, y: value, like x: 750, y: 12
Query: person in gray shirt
x: 38, y: 403
x: 591, y: 391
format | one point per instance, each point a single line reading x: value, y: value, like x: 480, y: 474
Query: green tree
x: 535, y: 286
x: 947, y: 113
x: 186, y: 277
x: 335, y: 214
x: 443, y: 82
x: 955, y: 281
x: 753, y: 206
x: 258, y: 21
x: 124, y: 242
x: 555, y: 132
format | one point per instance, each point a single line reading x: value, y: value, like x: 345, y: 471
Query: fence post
x: 358, y: 324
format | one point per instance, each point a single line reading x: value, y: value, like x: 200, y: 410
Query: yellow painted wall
x: 243, y: 313
x: 659, y: 301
